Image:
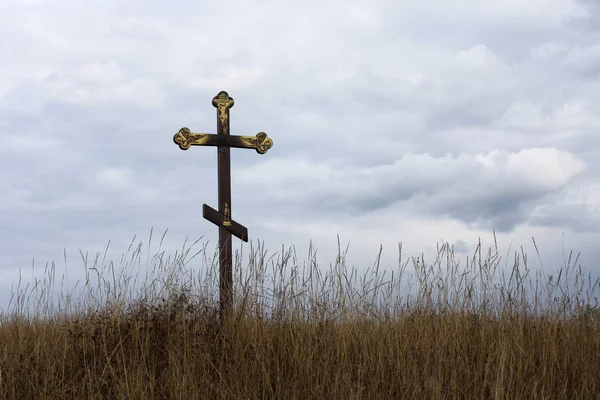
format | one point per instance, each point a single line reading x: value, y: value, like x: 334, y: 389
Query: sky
x: 393, y: 121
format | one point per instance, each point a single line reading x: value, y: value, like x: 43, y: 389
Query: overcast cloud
x: 392, y: 121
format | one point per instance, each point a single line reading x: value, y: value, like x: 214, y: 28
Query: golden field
x: 442, y: 330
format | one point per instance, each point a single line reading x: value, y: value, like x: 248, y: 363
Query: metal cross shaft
x: 222, y: 218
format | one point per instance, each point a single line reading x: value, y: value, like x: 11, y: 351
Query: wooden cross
x: 222, y: 218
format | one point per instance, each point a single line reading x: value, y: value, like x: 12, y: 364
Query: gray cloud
x: 493, y: 191
x: 391, y: 122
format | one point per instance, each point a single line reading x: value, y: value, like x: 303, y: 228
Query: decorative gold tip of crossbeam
x: 185, y: 138
x: 261, y: 142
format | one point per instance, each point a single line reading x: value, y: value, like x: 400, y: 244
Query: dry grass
x: 301, y: 331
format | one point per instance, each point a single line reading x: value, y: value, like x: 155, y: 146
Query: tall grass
x: 299, y: 330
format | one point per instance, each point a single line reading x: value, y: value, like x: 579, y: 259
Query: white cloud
x: 548, y: 50
x: 584, y: 60
x: 99, y: 73
x: 545, y: 168
x: 479, y: 58
x: 563, y: 118
x: 114, y: 178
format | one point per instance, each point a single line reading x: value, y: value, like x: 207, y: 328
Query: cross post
x: 222, y: 218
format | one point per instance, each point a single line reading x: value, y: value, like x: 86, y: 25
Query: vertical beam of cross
x: 223, y: 103
x: 222, y: 218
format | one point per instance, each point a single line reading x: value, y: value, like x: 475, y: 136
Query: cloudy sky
x: 393, y: 121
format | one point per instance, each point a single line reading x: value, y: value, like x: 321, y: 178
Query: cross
x: 222, y: 218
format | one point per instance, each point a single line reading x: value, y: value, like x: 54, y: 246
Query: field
x: 150, y: 330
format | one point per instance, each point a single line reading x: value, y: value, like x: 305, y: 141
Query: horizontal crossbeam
x: 185, y: 138
x: 218, y: 219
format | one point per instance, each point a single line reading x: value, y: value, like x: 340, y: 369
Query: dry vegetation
x: 443, y: 331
